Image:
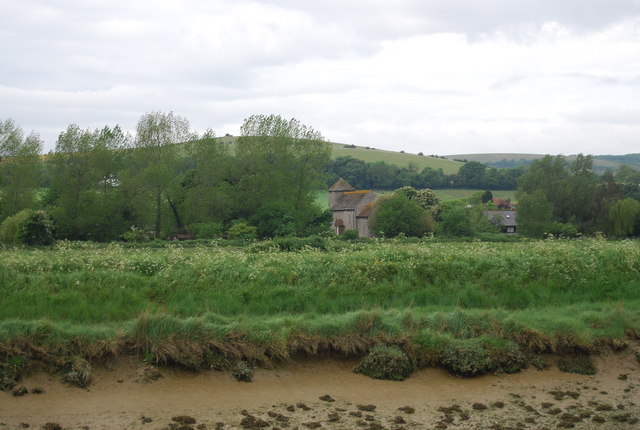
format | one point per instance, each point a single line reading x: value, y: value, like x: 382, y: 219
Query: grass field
x: 193, y: 306
x: 397, y: 158
x: 446, y: 194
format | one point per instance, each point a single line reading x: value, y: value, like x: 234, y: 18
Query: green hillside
x: 398, y: 158
x: 372, y: 155
x: 600, y: 162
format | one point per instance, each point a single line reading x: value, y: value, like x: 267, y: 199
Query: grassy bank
x: 200, y: 306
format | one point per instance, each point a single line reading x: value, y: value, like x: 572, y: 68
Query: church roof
x: 349, y: 200
x: 341, y: 185
x: 366, y: 211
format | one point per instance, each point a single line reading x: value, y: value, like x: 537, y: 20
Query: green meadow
x: 196, y: 305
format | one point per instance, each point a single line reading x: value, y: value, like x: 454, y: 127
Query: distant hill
x: 398, y: 158
x: 370, y: 155
x: 510, y: 160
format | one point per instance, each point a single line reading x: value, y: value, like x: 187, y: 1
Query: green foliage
x: 243, y: 231
x: 396, y: 214
x: 206, y: 230
x: 624, y: 217
x: 386, y: 362
x: 136, y: 234
x: 477, y: 356
x: 274, y: 220
x: 534, y: 214
x: 562, y: 230
x: 282, y: 163
x: 19, y: 168
x: 243, y: 372
x: 455, y: 221
x: 11, y: 226
x: 36, y: 229
x: 349, y: 235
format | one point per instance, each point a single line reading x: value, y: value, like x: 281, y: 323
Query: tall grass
x: 188, y: 305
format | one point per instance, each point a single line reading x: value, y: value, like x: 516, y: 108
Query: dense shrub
x: 349, y: 235
x: 136, y: 235
x: 36, y: 229
x: 397, y: 215
x: 242, y: 231
x: 386, y: 362
x: 10, y: 226
x: 206, y: 230
x: 477, y: 356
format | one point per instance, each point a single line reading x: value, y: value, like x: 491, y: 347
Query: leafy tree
x: 205, y: 192
x: 487, y: 197
x: 11, y: 225
x: 455, y: 221
x: 36, y: 229
x: 535, y: 213
x: 19, y: 165
x: 397, y: 214
x: 85, y: 197
x: 283, y: 163
x: 624, y: 217
x: 157, y: 165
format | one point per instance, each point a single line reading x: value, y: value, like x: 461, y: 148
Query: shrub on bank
x: 386, y: 362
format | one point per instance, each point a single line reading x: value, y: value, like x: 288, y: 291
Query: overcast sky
x: 436, y: 76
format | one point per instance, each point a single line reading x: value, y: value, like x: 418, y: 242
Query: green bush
x: 466, y: 357
x: 136, y: 235
x: 243, y: 372
x: 242, y: 231
x: 397, y: 215
x: 206, y: 230
x: 36, y: 229
x: 477, y: 356
x: 386, y: 362
x: 349, y: 235
x: 10, y: 226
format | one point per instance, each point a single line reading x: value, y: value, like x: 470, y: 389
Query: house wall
x: 362, y: 225
x: 347, y: 217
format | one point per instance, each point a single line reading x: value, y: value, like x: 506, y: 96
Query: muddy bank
x: 290, y: 397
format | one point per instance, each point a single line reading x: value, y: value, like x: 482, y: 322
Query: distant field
x: 445, y: 195
x: 397, y: 158
x: 599, y: 164
x: 459, y: 193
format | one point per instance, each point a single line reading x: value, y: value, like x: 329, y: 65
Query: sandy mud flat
x: 325, y: 393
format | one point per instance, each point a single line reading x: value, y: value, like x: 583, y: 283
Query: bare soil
x: 325, y: 393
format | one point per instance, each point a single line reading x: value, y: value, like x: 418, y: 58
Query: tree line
x: 104, y: 184
x: 381, y: 175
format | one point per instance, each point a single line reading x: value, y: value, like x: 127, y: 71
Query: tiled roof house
x: 351, y: 208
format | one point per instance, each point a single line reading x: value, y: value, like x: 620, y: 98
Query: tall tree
x: 284, y: 164
x: 85, y: 194
x: 158, y: 165
x: 19, y: 166
x: 207, y: 193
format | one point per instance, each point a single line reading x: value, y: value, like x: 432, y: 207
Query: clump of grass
x: 79, y: 373
x: 11, y: 370
x: 477, y: 356
x: 579, y: 363
x: 243, y: 372
x: 386, y: 362
x: 466, y: 357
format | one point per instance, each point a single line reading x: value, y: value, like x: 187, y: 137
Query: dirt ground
x: 325, y: 393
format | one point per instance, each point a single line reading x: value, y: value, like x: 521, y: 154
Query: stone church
x: 351, y: 208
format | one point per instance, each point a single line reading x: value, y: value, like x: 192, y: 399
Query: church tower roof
x: 341, y: 186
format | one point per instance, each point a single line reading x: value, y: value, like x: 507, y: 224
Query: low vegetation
x: 472, y: 307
